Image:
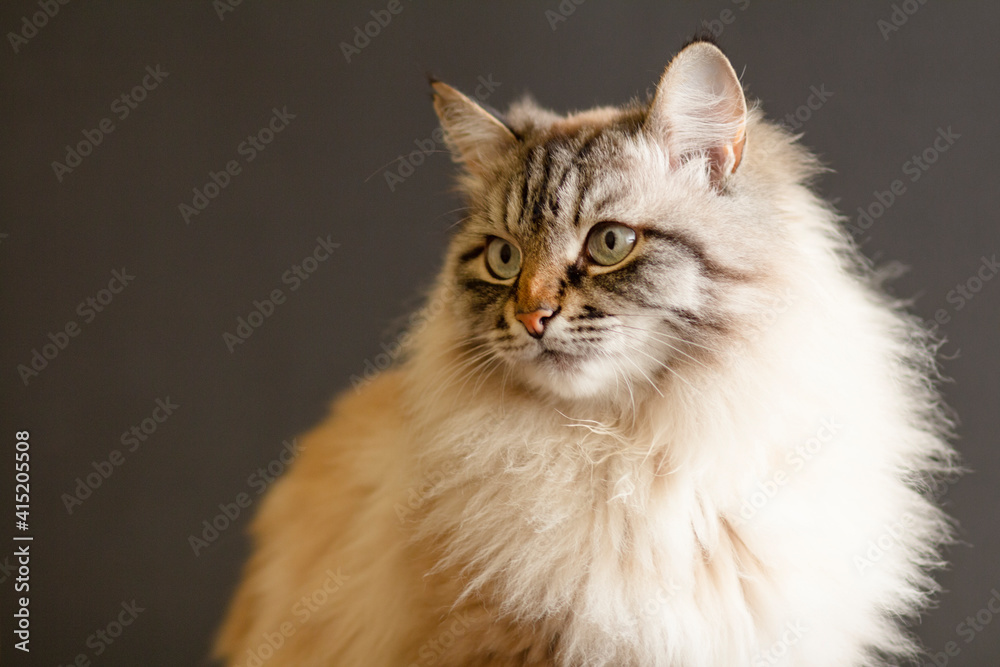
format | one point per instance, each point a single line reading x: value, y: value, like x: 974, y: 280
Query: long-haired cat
x: 656, y: 411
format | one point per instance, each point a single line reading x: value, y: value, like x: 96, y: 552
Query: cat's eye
x: 610, y: 243
x: 503, y: 259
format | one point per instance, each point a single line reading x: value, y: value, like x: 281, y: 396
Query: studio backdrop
x: 215, y: 215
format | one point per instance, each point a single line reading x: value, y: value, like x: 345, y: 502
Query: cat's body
x: 710, y: 453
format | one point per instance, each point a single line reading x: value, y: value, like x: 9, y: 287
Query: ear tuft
x: 699, y: 108
x: 476, y: 137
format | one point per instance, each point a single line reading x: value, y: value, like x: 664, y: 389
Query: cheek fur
x: 640, y: 296
x: 481, y: 304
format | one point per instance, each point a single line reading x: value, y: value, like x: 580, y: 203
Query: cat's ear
x: 476, y: 137
x: 699, y: 108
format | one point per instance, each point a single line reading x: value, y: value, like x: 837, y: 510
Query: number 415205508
x: 22, y: 479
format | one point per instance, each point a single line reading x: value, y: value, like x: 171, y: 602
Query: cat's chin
x: 569, y: 377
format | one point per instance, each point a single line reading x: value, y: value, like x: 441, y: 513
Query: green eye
x: 610, y: 243
x: 503, y: 259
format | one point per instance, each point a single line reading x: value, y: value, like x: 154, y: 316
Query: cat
x: 657, y: 411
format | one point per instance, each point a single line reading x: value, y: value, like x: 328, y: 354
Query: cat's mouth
x: 555, y: 359
x: 559, y: 359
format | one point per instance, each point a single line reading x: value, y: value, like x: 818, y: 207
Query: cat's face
x: 604, y: 251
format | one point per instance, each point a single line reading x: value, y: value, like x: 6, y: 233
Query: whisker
x: 503, y: 387
x: 456, y: 210
x: 628, y: 384
x: 667, y: 367
x: 494, y: 364
x: 643, y: 373
x: 674, y: 348
x: 457, y: 365
x: 474, y: 366
x: 664, y: 333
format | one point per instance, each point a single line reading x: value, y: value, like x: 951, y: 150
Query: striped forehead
x: 546, y: 192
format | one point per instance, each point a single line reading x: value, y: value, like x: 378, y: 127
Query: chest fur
x: 578, y: 544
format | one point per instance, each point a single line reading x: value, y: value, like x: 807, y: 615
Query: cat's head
x: 605, y: 250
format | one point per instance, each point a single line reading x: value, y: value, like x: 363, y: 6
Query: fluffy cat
x: 656, y: 412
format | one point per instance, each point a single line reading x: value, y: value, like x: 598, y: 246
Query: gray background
x: 324, y: 175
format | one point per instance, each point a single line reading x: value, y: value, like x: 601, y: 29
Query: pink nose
x: 534, y: 322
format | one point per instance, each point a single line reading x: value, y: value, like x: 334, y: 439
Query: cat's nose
x: 534, y: 321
